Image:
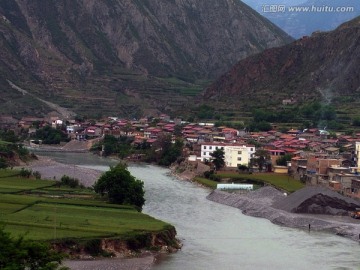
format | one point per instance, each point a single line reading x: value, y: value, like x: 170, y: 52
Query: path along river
x: 216, y: 236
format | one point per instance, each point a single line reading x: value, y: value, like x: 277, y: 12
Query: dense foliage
x: 50, y: 135
x: 282, y: 161
x: 121, y: 146
x: 121, y: 187
x: 164, y: 152
x: 261, y: 159
x: 10, y: 148
x: 218, y: 158
x: 21, y: 254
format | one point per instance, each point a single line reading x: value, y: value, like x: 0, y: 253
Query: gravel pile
x: 259, y: 204
x: 317, y: 200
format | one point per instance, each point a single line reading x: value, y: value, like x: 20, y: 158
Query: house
x: 357, y: 153
x: 275, y: 155
x: 8, y: 122
x: 355, y: 188
x: 321, y: 165
x: 93, y: 131
x: 235, y: 154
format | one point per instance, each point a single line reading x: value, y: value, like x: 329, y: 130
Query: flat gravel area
x: 143, y: 263
x: 52, y: 170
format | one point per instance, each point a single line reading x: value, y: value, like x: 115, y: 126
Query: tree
x: 121, y: 187
x: 218, y: 157
x: 282, y: 161
x: 21, y: 254
x: 261, y: 157
x: 3, y: 163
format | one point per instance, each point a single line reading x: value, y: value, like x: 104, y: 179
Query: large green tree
x: 218, y: 158
x: 21, y: 254
x: 260, y: 159
x: 121, y: 187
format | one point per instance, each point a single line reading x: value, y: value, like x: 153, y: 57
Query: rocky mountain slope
x: 87, y: 54
x: 303, y: 17
x: 323, y: 67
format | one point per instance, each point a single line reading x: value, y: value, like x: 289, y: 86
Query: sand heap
x: 317, y: 200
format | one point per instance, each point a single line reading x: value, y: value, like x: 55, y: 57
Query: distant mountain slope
x: 103, y: 54
x: 321, y: 15
x: 324, y: 67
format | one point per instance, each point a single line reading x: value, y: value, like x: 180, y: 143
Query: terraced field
x: 39, y: 210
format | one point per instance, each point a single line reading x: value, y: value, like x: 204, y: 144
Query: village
x: 314, y: 156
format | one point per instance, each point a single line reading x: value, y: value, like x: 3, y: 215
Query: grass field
x: 281, y: 181
x: 38, y: 210
x: 206, y: 182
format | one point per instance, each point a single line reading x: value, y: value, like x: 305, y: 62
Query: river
x: 215, y: 236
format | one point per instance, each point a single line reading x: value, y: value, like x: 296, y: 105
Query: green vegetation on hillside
x: 10, y: 149
x: 50, y: 135
x: 21, y: 254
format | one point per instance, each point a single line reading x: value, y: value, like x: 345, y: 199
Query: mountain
x: 121, y: 56
x: 302, y: 18
x: 323, y: 67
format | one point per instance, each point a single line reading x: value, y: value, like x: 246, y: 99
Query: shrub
x: 37, y: 175
x: 69, y: 181
x: 25, y: 173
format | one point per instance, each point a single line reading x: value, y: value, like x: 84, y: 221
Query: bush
x: 69, y: 181
x: 3, y: 163
x: 93, y: 247
x: 37, y: 175
x: 25, y: 173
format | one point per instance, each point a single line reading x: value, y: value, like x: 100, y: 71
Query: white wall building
x: 235, y: 154
x: 238, y: 155
x: 357, y: 153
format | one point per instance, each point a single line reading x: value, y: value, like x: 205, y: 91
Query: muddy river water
x: 215, y: 236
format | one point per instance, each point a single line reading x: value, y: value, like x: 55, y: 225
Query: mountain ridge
x: 83, y: 49
x: 322, y: 67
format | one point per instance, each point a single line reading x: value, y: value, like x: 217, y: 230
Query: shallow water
x: 221, y: 237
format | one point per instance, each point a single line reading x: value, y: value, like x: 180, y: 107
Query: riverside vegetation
x: 75, y: 220
x: 280, y: 181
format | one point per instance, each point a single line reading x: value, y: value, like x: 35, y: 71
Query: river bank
x: 51, y: 169
x: 216, y: 236
x: 125, y: 258
x: 259, y: 204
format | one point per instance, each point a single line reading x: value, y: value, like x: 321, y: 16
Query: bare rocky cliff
x: 322, y: 67
x: 63, y: 50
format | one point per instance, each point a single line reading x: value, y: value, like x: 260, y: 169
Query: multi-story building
x: 357, y: 154
x: 238, y: 155
x: 235, y: 154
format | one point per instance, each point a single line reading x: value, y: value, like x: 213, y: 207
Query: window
x: 239, y: 158
x: 239, y: 152
x: 216, y: 148
x: 251, y: 149
x: 222, y: 148
x: 204, y: 153
x: 205, y: 147
x: 210, y: 147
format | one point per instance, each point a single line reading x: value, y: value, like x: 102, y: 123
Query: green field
x: 280, y: 181
x: 206, y: 182
x: 38, y: 210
